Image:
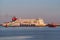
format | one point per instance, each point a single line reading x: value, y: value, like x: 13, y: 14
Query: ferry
x: 20, y: 22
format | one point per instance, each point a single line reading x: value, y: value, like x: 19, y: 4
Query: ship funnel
x: 14, y: 18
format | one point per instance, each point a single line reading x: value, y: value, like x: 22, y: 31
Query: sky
x: 49, y: 10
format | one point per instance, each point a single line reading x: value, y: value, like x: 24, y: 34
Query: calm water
x: 29, y: 33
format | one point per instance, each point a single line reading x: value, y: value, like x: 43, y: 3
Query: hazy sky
x: 49, y: 10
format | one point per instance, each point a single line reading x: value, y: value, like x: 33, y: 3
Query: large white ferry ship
x: 24, y: 22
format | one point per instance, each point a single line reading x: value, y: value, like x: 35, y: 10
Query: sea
x: 29, y: 33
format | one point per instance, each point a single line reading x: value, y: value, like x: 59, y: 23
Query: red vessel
x: 51, y: 25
